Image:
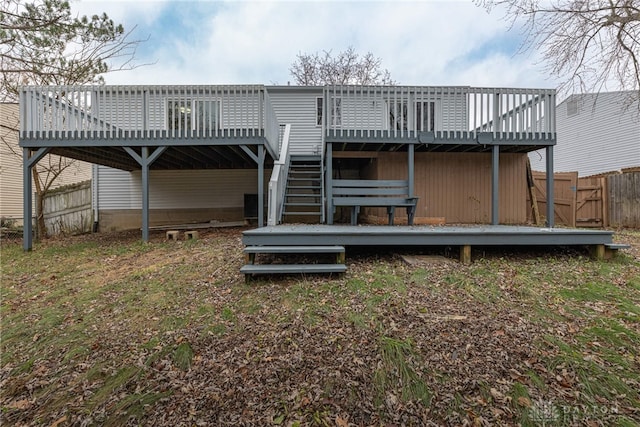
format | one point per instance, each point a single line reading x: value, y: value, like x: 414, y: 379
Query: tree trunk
x: 41, y: 230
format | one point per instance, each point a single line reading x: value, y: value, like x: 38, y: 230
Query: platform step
x: 292, y: 268
x: 616, y: 246
x: 294, y: 249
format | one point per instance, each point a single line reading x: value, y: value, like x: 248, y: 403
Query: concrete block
x: 173, y: 234
x: 192, y: 234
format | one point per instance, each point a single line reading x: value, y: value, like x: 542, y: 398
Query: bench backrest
x: 370, y: 187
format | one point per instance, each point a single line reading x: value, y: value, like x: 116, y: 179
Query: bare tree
x: 45, y: 173
x: 42, y: 43
x: 347, y: 67
x: 589, y: 45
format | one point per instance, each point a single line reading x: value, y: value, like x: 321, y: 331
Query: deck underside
x: 480, y: 235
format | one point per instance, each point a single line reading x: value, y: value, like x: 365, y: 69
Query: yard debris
x: 103, y: 330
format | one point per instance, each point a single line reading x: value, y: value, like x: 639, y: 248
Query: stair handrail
x: 322, y: 194
x: 278, y: 180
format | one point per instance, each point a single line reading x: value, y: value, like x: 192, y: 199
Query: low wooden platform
x: 463, y: 236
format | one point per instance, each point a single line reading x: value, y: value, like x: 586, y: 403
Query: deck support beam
x: 495, y: 167
x: 550, y: 195
x: 29, y: 161
x: 329, y: 182
x: 145, y: 160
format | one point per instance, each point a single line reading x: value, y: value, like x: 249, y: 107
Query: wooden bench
x: 356, y: 193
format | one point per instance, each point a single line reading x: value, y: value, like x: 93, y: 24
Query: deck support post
x: 145, y: 194
x: 550, y: 195
x: 259, y: 159
x: 598, y: 252
x: 261, y: 156
x: 329, y: 182
x: 495, y: 167
x: 145, y: 160
x: 465, y: 254
x: 410, y: 168
x: 29, y: 161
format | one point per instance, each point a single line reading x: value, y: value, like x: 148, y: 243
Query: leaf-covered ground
x: 105, y: 330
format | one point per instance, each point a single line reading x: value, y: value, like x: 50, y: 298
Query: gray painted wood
x: 489, y: 235
x: 292, y: 268
x: 294, y: 249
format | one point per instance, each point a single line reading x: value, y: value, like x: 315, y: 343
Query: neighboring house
x: 597, y: 133
x: 11, y: 194
x: 177, y: 154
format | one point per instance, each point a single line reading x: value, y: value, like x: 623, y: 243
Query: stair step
x: 304, y: 187
x: 303, y: 196
x: 294, y: 249
x: 302, y: 213
x: 301, y: 204
x: 292, y: 268
x: 305, y: 158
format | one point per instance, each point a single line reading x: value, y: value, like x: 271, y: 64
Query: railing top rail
x: 104, y: 88
x: 462, y: 88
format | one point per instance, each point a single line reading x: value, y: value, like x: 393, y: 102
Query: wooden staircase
x: 303, y: 194
x: 251, y: 268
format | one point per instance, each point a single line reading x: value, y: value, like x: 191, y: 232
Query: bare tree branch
x: 42, y: 43
x: 589, y: 45
x: 346, y: 67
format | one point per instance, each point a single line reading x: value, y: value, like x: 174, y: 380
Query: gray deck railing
x: 147, y: 112
x: 403, y: 111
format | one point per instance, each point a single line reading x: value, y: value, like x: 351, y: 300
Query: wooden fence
x: 67, y: 210
x: 624, y: 200
x: 598, y: 201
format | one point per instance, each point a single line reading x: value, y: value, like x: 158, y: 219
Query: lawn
x: 105, y: 330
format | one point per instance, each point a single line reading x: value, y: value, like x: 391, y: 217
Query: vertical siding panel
x: 457, y: 186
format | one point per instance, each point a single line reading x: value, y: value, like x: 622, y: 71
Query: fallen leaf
x: 341, y: 422
x: 20, y: 404
x: 524, y: 401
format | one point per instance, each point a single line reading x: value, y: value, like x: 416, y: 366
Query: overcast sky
x: 424, y: 42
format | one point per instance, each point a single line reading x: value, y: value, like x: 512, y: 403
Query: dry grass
x: 103, y: 329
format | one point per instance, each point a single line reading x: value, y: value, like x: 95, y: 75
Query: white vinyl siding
x: 595, y: 134
x: 175, y: 189
x: 299, y: 109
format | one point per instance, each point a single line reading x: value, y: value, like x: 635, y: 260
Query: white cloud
x: 427, y: 43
